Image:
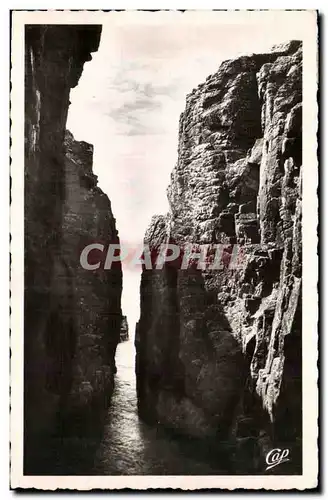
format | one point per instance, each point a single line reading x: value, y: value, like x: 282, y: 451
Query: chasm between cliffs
x: 212, y: 380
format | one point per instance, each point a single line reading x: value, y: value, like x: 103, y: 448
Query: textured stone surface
x: 72, y: 316
x: 88, y: 218
x: 219, y: 352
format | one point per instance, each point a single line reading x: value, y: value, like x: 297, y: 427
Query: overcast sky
x: 129, y: 98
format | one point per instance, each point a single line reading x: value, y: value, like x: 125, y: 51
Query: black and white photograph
x: 164, y: 268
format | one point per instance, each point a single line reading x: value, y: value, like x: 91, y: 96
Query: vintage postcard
x: 164, y: 215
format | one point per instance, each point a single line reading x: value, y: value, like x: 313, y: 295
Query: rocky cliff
x: 219, y: 351
x: 72, y: 315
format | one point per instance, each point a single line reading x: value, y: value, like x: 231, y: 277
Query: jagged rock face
x: 72, y: 316
x: 124, y: 332
x: 96, y: 308
x: 203, y: 336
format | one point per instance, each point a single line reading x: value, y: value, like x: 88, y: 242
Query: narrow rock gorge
x: 219, y: 351
x: 72, y: 315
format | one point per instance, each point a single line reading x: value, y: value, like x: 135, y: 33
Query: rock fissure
x: 218, y: 353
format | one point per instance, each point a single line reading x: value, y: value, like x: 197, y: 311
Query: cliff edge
x: 72, y: 315
x: 219, y: 351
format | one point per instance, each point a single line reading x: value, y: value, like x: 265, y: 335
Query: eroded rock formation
x: 219, y: 352
x: 124, y: 333
x: 72, y: 315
